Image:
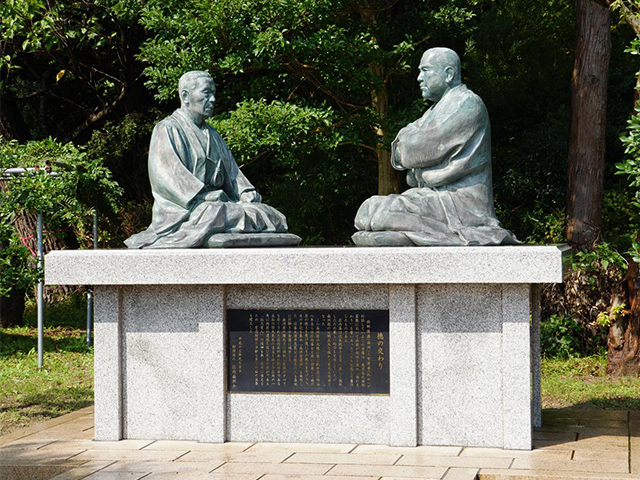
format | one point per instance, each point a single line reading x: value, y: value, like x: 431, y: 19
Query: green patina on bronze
x: 447, y: 156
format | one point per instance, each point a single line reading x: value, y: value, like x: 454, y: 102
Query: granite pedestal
x: 463, y: 341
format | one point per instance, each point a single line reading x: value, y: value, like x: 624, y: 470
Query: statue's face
x: 432, y: 78
x: 201, y: 98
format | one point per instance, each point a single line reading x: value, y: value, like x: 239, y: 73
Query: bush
x: 66, y: 200
x: 560, y: 337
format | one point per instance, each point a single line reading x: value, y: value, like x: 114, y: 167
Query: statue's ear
x: 449, y: 74
x: 184, y: 97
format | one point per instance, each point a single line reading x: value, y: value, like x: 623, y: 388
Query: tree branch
x: 628, y: 15
x: 91, y: 119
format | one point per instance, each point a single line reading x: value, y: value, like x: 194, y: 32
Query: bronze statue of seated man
x: 201, y: 198
x: 447, y: 156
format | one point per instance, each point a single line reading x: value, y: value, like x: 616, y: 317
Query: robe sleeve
x: 170, y: 180
x: 450, y: 132
x: 235, y: 182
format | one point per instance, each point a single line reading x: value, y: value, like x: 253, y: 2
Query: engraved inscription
x: 312, y: 351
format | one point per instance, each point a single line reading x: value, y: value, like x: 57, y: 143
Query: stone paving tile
x: 267, y: 468
x: 563, y: 436
x: 230, y: 447
x: 243, y: 457
x: 314, y: 477
x: 116, y: 476
x: 31, y: 472
x: 589, y: 432
x: 129, y: 455
x: 461, y: 474
x: 601, y: 423
x: 604, y: 414
x: 336, y: 458
x: 25, y: 444
x: 423, y: 473
x: 303, y: 447
x: 602, y: 465
x: 427, y: 450
x: 618, y: 455
x: 468, y: 462
x: 634, y: 455
x: 547, y: 445
x: 22, y: 456
x: 392, y: 478
x: 162, y: 467
x: 10, y: 437
x: 93, y: 445
x: 82, y: 471
x: 57, y: 433
x: 548, y: 421
x: 601, y: 441
x: 584, y: 430
x: 517, y: 474
x: 200, y: 476
x: 498, y: 452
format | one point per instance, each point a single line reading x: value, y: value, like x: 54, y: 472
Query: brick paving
x: 571, y: 444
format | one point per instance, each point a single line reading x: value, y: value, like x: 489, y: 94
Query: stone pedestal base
x: 463, y: 358
x: 238, y: 240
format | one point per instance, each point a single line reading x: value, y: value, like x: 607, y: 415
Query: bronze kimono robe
x: 185, y: 164
x: 447, y: 153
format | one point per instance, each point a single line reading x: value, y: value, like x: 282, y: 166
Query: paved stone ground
x: 572, y: 444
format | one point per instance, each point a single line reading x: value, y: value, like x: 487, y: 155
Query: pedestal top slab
x: 309, y: 265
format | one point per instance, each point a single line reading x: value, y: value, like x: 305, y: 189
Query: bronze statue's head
x: 197, y: 93
x: 439, y: 72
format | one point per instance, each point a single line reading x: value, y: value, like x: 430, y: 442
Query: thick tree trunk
x: 623, y: 356
x: 388, y: 178
x: 588, y: 124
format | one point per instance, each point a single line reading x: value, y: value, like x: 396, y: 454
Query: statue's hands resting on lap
x: 250, y: 197
x: 215, y: 196
x: 412, y: 181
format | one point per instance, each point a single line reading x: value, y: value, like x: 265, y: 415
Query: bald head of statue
x: 439, y: 72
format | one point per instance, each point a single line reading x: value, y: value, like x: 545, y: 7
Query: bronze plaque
x: 308, y: 351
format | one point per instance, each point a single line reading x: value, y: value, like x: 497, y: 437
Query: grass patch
x: 582, y: 383
x: 65, y: 383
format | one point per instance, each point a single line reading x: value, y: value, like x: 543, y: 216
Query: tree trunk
x: 623, y: 355
x: 588, y: 123
x: 26, y: 225
x: 388, y: 178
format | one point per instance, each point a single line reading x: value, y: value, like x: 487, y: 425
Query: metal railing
x: 10, y: 173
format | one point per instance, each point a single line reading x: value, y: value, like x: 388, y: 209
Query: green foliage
x: 311, y: 89
x: 124, y: 147
x: 18, y: 267
x: 65, y: 62
x: 631, y: 164
x: 67, y: 199
x: 281, y: 130
x: 70, y: 312
x: 600, y: 257
x: 606, y: 319
x: 560, y: 337
x: 579, y: 310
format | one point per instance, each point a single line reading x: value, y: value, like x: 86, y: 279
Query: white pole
x: 40, y: 294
